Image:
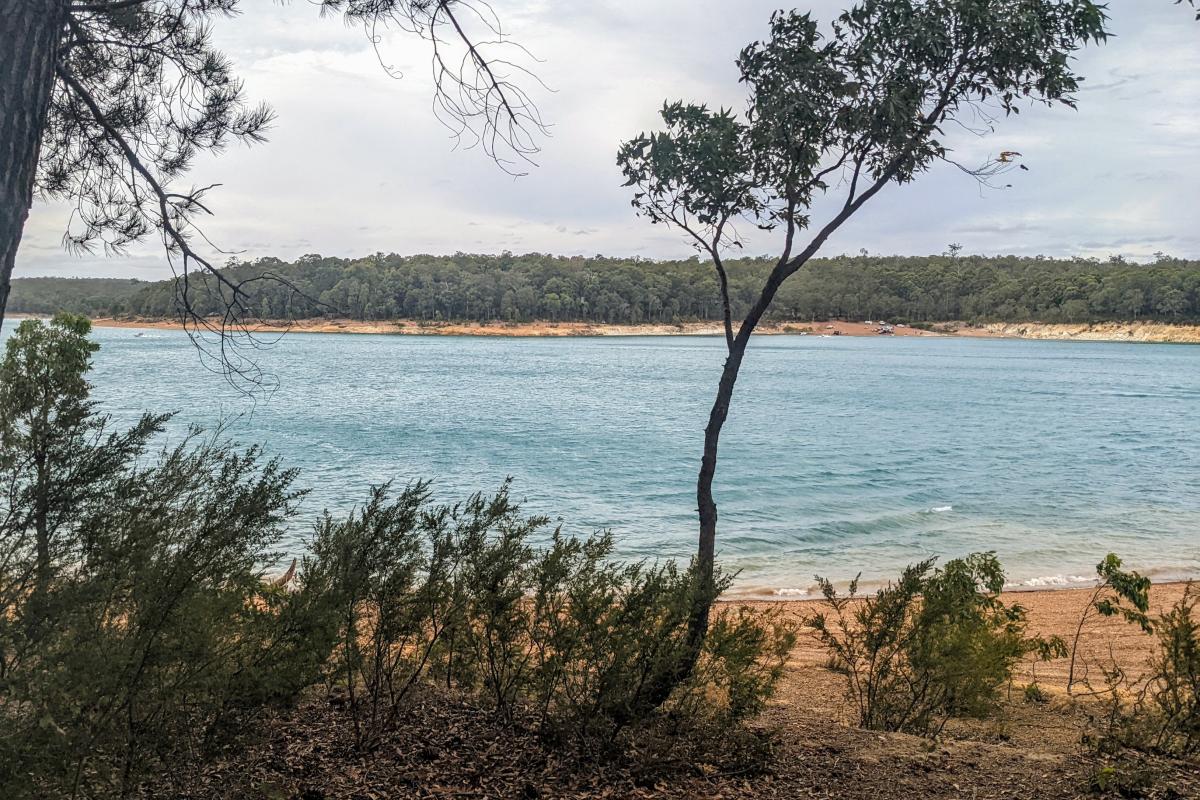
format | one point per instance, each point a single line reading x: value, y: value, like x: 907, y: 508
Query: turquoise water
x: 841, y: 455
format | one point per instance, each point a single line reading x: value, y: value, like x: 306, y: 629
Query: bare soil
x: 1103, y: 331
x: 450, y: 748
x: 528, y: 329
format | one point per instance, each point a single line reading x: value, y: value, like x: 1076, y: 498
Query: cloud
x: 1007, y: 228
x: 357, y: 162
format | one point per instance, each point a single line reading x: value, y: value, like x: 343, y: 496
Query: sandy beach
x: 1051, y: 612
x: 1113, y: 332
x: 527, y: 329
x: 1027, y: 750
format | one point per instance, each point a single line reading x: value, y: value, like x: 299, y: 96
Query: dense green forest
x: 511, y: 287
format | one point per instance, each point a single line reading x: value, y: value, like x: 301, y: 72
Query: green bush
x: 1160, y: 713
x: 1121, y: 778
x: 938, y: 643
x: 134, y: 621
x: 137, y: 627
x: 406, y: 582
x: 744, y: 657
x: 605, y: 633
x: 562, y: 635
x: 1118, y: 593
x: 1034, y: 693
x: 1175, y: 681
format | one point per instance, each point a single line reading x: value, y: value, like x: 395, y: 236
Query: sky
x: 357, y: 163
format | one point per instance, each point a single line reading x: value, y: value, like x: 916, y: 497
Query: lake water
x: 841, y: 455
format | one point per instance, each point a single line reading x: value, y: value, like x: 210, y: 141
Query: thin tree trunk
x: 41, y: 515
x: 30, y: 35
x: 707, y: 506
x: 660, y: 686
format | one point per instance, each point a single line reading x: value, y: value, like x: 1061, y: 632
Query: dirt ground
x: 451, y: 749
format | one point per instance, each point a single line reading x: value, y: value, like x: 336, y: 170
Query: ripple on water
x: 840, y: 457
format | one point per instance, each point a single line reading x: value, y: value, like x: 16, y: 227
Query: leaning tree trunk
x: 659, y: 686
x: 662, y: 683
x: 30, y: 33
x: 707, y: 506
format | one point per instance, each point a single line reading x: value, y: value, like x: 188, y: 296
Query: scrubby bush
x: 561, y: 636
x: 743, y: 658
x: 365, y: 569
x: 1123, y: 777
x: 605, y: 634
x: 1175, y: 680
x: 134, y: 621
x: 421, y: 591
x: 1118, y: 593
x: 935, y: 644
x: 1034, y: 693
x: 1161, y: 711
x: 137, y: 624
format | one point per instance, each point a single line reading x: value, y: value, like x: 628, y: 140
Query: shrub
x: 563, y: 636
x: 1034, y: 693
x: 605, y: 633
x: 1123, y: 778
x: 744, y: 657
x: 406, y: 581
x: 164, y: 630
x: 935, y: 644
x: 1175, y: 681
x: 1160, y: 713
x: 134, y: 620
x: 1118, y: 593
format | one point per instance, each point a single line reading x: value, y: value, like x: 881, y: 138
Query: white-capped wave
x: 939, y: 509
x: 786, y: 592
x: 1050, y: 581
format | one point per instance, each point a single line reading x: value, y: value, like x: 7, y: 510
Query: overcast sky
x: 357, y: 163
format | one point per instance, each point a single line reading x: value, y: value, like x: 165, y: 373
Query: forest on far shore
x: 509, y: 287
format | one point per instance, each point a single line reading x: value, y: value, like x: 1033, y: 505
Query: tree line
x: 514, y: 288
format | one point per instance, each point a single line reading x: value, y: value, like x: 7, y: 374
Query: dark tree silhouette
x: 106, y: 103
x: 846, y: 116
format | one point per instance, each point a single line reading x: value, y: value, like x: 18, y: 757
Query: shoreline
x: 1146, y: 332
x: 760, y: 594
x: 1035, y: 594
x: 1043, y: 733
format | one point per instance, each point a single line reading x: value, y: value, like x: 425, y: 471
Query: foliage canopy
x: 534, y: 286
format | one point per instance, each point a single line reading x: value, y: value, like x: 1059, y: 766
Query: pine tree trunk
x: 30, y: 35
